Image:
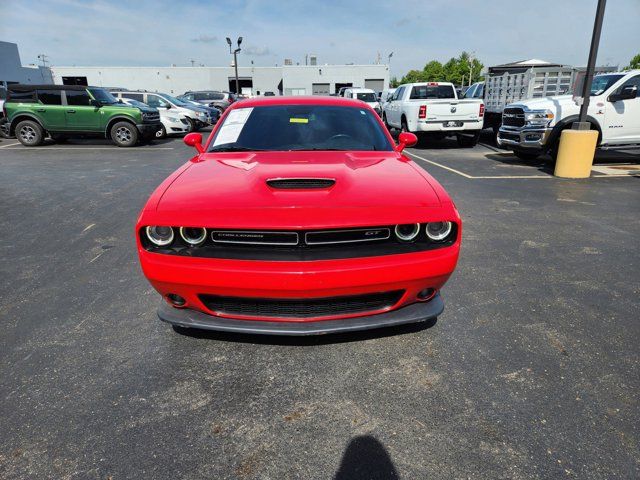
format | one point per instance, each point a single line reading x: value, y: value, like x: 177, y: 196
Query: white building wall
x: 177, y: 80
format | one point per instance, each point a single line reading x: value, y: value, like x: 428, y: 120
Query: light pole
x: 235, y: 60
x: 389, y: 64
x: 582, y: 124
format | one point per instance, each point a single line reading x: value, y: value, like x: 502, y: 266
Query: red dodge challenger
x: 299, y: 216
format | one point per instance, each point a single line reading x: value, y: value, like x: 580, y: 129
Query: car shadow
x: 307, y: 340
x: 366, y: 458
x: 543, y: 164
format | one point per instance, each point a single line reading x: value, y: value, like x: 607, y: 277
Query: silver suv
x: 212, y: 98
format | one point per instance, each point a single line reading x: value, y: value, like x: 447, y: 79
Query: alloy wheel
x: 123, y: 134
x: 28, y: 134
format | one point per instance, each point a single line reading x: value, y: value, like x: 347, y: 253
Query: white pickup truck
x: 433, y: 109
x: 532, y: 127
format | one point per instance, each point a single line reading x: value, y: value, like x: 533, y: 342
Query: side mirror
x: 194, y: 140
x: 406, y: 139
x: 168, y: 106
x: 95, y: 103
x: 628, y: 93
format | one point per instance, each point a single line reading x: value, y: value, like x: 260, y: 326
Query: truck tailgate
x: 452, y: 109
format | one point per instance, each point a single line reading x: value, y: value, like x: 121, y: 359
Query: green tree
x: 634, y: 64
x: 455, y: 70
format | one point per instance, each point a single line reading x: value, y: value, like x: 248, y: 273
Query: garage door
x: 320, y: 89
x: 377, y: 85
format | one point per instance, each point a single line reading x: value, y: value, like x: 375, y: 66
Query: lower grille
x: 301, y: 307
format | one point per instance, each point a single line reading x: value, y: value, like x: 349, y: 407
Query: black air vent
x: 301, y: 307
x: 300, y: 183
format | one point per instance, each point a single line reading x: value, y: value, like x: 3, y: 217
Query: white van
x: 367, y: 95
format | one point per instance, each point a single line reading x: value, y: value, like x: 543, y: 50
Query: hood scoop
x: 300, y: 183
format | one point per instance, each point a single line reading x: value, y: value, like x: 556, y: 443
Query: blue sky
x: 162, y: 32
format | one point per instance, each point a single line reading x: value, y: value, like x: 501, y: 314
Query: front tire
x: 162, y: 133
x: 192, y: 125
x: 29, y: 133
x: 124, y: 134
x: 404, y: 127
x: 4, y: 128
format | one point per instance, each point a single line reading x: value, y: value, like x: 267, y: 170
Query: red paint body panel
x: 229, y: 190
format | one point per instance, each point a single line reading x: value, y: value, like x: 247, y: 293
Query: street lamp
x: 235, y: 60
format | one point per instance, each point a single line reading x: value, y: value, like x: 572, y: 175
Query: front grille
x: 300, y: 183
x: 299, y: 245
x: 252, y: 237
x: 151, y: 117
x: 329, y: 237
x: 513, y: 117
x: 301, y: 307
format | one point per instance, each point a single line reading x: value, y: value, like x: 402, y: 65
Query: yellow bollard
x: 576, y: 152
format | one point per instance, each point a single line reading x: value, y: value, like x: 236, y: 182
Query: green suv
x: 64, y: 111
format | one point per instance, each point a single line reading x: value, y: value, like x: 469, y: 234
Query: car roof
x: 358, y: 89
x: 27, y: 88
x: 298, y: 100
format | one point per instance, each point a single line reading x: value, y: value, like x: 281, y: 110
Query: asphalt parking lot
x: 532, y: 371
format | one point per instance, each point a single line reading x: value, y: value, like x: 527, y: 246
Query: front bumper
x: 533, y: 138
x: 439, y: 126
x: 417, y: 312
x: 149, y: 128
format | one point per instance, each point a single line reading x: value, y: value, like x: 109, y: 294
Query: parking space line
x: 10, y: 145
x: 512, y: 177
x: 441, y: 166
x: 86, y: 148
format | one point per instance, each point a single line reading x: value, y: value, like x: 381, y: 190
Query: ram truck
x: 433, y: 110
x: 531, y: 128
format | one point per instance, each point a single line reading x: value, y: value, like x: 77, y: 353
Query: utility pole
x: 581, y: 124
x: 235, y: 61
x: 192, y: 62
x: 43, y: 58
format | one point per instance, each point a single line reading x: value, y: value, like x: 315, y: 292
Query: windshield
x: 173, y: 100
x: 103, y: 96
x: 300, y: 127
x: 422, y: 92
x: 601, y: 83
x: 367, y: 97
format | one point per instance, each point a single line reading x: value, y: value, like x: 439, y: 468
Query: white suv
x: 367, y: 95
x: 196, y: 118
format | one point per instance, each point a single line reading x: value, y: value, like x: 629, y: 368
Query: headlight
x: 160, y: 236
x: 437, y: 231
x: 539, y: 117
x: 173, y: 119
x: 407, y: 232
x: 193, y: 235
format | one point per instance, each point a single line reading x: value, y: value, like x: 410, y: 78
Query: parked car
x: 64, y: 111
x: 212, y: 98
x: 269, y: 94
x: 310, y: 236
x: 196, y: 116
x: 434, y: 109
x: 366, y: 95
x: 511, y: 83
x: 532, y: 127
x: 385, y: 96
x: 172, y: 122
x: 4, y: 123
x: 212, y: 112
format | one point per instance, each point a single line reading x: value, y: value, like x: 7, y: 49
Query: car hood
x: 546, y: 102
x: 229, y: 190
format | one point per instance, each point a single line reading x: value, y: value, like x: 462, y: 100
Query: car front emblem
x: 453, y: 109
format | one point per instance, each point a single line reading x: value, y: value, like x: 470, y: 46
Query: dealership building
x: 284, y: 80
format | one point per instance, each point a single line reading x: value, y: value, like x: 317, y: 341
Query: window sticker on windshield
x: 298, y: 120
x: 233, y: 125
